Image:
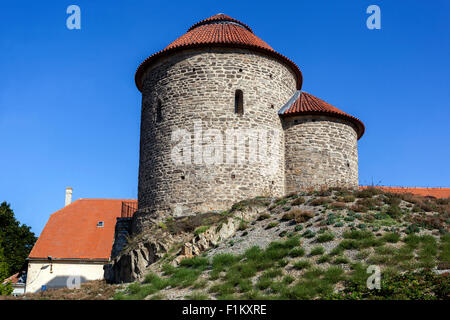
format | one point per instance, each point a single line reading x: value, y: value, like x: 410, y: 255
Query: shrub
x: 200, y: 230
x: 273, y: 224
x: 324, y: 258
x: 368, y: 193
x: 333, y: 274
x: 297, y: 252
x: 287, y: 216
x: 243, y: 225
x: 298, y: 215
x: 298, y: 227
x: 349, y: 244
x: 309, y: 234
x: 391, y: 237
x: 393, y: 201
x: 319, y: 201
x: 338, y: 205
x: 394, y: 212
x: 317, y: 251
x: 325, y: 237
x: 263, y: 216
x: 359, y: 208
x: 302, y: 264
x: 347, y: 198
x: 298, y: 201
x: 224, y: 260
x: 340, y: 260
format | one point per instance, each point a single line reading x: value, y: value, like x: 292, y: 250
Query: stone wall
x: 320, y: 152
x: 197, y: 88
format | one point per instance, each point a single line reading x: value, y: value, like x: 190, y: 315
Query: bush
x: 340, y: 260
x: 263, y: 216
x: 309, y: 234
x: 391, y: 237
x: 298, y: 201
x: 271, y: 225
x: 297, y: 252
x: 317, y: 251
x: 338, y: 205
x: 412, y: 285
x: 324, y: 258
x: 347, y: 198
x: 394, y: 212
x: 302, y: 264
x: 319, y: 201
x: 200, y: 230
x: 243, y: 225
x: 325, y: 237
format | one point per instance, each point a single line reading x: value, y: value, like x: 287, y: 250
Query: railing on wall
x: 128, y: 208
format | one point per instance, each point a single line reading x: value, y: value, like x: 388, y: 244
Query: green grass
x: 302, y: 264
x: 200, y: 230
x: 297, y: 252
x: 325, y: 237
x: 197, y: 296
x: 317, y: 251
x: 323, y: 259
x: 391, y: 237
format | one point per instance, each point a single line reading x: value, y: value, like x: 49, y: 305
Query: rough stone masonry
x: 223, y: 77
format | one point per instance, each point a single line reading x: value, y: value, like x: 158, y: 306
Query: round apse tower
x: 321, y: 144
x: 208, y: 100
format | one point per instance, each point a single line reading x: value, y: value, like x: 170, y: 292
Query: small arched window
x: 159, y: 111
x: 239, y: 102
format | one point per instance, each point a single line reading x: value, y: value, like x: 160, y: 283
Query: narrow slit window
x: 159, y: 111
x: 239, y: 102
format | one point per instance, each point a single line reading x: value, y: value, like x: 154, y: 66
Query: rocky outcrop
x: 155, y: 243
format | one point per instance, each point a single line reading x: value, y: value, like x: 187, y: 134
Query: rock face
x: 148, y: 247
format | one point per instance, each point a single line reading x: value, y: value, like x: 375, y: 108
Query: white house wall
x: 64, y: 273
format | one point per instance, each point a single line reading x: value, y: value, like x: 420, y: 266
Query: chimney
x: 68, y: 196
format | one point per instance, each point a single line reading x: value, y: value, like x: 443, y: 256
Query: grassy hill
x: 316, y: 245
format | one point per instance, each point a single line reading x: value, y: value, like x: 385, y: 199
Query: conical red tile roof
x: 219, y: 31
x: 307, y: 104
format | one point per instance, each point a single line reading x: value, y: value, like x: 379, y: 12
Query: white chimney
x: 68, y: 196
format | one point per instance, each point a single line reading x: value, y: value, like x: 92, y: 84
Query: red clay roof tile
x: 72, y: 232
x: 307, y: 104
x: 430, y: 192
x: 218, y: 31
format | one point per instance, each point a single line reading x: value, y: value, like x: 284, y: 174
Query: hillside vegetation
x: 316, y: 245
x: 307, y: 245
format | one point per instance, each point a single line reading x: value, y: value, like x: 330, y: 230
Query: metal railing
x: 128, y: 209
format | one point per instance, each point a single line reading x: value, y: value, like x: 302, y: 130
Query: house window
x: 100, y: 224
x: 159, y: 111
x: 239, y: 102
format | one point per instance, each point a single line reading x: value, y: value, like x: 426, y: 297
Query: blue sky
x: 70, y: 112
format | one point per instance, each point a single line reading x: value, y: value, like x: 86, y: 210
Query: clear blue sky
x: 70, y: 112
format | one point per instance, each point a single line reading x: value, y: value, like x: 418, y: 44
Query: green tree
x: 16, y: 241
x: 5, y: 289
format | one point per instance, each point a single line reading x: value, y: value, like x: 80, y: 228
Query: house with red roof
x: 75, y: 244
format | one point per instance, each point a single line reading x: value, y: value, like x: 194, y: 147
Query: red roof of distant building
x: 72, y: 232
x: 307, y: 104
x: 218, y: 31
x: 426, y: 192
x: 13, y: 279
